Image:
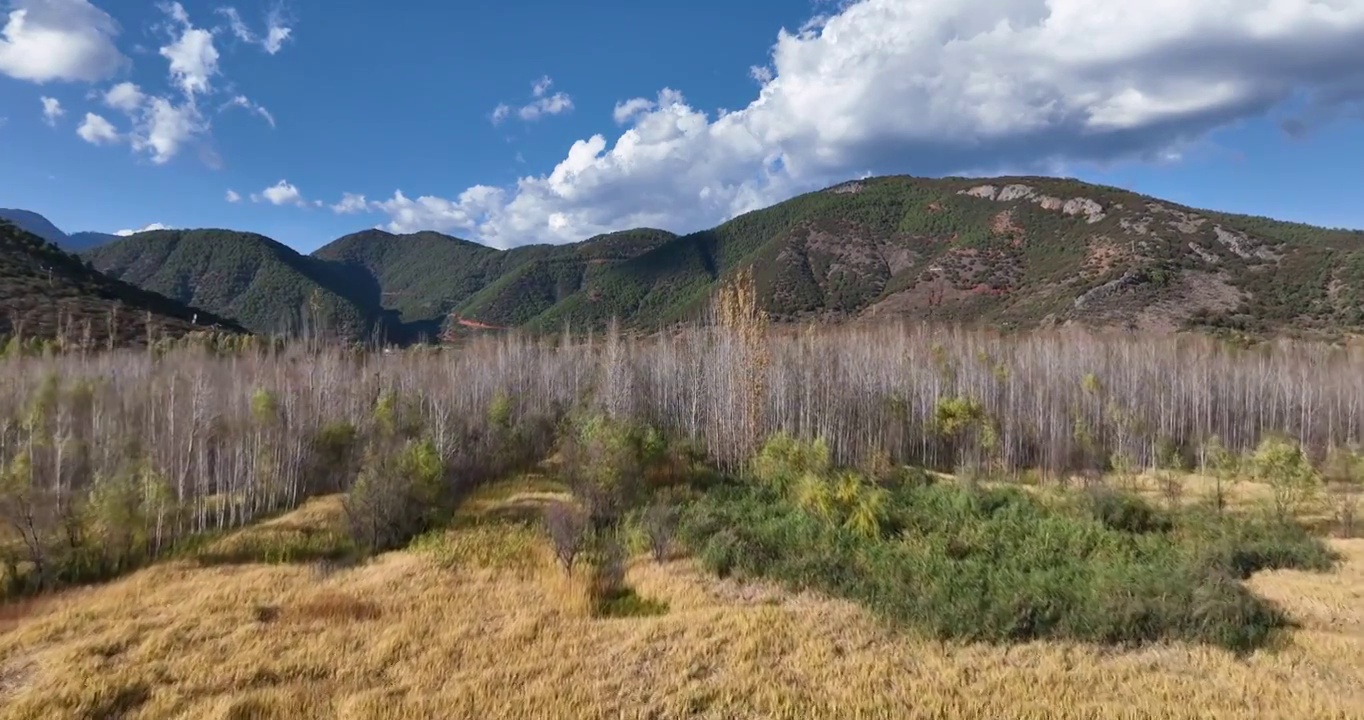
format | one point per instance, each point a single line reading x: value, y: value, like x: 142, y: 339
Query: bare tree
x: 567, y: 526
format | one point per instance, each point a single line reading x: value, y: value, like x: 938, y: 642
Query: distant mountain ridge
x: 1011, y: 252
x: 35, y: 223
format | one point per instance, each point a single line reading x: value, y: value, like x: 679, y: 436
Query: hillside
x: 263, y: 284
x: 45, y: 292
x: 426, y: 276
x: 1013, y: 252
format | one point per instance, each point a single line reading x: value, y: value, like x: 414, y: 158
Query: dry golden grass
x: 441, y: 632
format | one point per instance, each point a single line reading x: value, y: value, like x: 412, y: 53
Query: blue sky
x: 121, y: 114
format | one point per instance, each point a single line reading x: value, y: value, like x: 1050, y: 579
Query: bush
x: 335, y: 457
x: 1126, y: 513
x: 783, y: 461
x: 607, y: 463
x: 397, y: 495
x: 1003, y: 566
x: 1282, y: 465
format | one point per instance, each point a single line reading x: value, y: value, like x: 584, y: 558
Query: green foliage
x: 823, y: 254
x: 784, y: 461
x: 609, y: 465
x: 802, y: 473
x: 398, y: 494
x: 1224, y: 466
x: 263, y: 284
x: 1002, y: 566
x: 265, y: 407
x: 400, y: 490
x: 500, y: 411
x: 1281, y: 464
x: 954, y: 416
x: 1126, y: 513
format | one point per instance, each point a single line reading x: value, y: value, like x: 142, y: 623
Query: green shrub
x: 1126, y: 513
x: 784, y: 460
x: 399, y: 493
x: 1282, y: 465
x: 1001, y: 565
x: 607, y: 464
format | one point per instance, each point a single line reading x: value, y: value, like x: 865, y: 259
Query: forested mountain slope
x: 1013, y: 252
x: 47, y: 293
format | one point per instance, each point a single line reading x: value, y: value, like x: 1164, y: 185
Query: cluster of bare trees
x: 183, y: 441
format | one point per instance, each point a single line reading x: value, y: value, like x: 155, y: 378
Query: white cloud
x: 350, y: 203
x: 762, y: 74
x: 193, y: 58
x: 165, y: 127
x: 281, y: 193
x: 274, y: 37
x: 555, y: 104
x: 931, y: 87
x: 52, y: 109
x: 627, y: 110
x: 97, y: 131
x: 148, y: 228
x: 162, y: 127
x: 45, y: 40
x: 124, y: 96
x: 233, y: 197
x: 541, y: 104
x: 243, y: 102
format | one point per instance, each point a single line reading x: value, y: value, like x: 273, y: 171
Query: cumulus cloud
x: 165, y: 127
x: 162, y: 124
x: 277, y: 32
x: 46, y: 40
x: 930, y: 87
x: 193, y: 58
x: 281, y: 193
x: 52, y: 109
x: 124, y: 96
x: 350, y: 203
x: 233, y: 197
x: 542, y: 103
x: 97, y: 131
x: 148, y: 228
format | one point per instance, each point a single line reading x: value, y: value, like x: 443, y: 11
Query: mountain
x: 32, y: 222
x: 1014, y: 252
x: 46, y: 292
x: 1010, y: 252
x: 35, y: 223
x: 81, y: 241
x: 425, y: 277
x: 261, y: 283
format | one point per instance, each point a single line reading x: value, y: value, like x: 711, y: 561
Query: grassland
x: 476, y: 621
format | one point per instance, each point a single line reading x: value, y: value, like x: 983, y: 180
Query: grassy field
x: 477, y: 621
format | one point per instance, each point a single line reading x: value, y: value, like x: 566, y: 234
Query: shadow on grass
x: 115, y: 703
x: 625, y: 602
